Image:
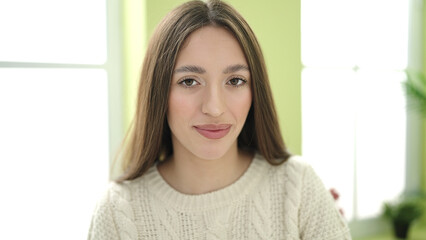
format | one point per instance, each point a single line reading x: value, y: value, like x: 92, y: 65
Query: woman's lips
x: 213, y: 131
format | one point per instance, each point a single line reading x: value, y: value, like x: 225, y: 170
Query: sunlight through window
x: 353, y: 108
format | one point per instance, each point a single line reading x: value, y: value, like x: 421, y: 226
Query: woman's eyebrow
x: 190, y: 68
x: 200, y: 70
x: 235, y: 68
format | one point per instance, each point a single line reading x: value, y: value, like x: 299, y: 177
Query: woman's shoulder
x: 121, y: 190
x: 294, y: 166
x: 114, y: 212
x: 118, y: 195
x: 114, y: 206
x: 126, y: 190
x: 297, y: 161
x: 121, y: 195
x: 295, y: 173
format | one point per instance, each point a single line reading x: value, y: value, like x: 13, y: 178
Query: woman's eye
x: 188, y: 82
x: 236, y: 82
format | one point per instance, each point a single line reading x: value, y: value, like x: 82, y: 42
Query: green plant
x: 404, y: 211
x: 415, y: 89
x: 402, y: 214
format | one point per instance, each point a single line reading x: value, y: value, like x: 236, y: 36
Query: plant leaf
x: 415, y: 90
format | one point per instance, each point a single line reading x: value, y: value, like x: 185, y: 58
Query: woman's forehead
x: 211, y: 44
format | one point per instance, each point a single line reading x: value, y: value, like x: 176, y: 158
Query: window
x: 353, y: 109
x: 58, y: 74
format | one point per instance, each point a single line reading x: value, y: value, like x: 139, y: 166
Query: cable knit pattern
x: 268, y: 202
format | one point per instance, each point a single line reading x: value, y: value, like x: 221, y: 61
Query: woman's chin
x: 211, y: 153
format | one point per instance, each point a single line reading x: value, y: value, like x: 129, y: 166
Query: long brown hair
x: 149, y: 137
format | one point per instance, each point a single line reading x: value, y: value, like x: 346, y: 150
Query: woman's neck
x: 191, y: 175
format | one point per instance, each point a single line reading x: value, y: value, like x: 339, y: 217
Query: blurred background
x: 68, y: 79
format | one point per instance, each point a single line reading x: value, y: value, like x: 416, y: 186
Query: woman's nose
x: 213, y: 102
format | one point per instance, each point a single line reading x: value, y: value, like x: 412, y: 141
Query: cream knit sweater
x: 268, y: 202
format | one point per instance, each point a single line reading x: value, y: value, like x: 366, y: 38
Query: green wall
x: 134, y: 42
x: 277, y: 26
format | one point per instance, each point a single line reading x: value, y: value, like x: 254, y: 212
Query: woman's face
x: 210, y: 94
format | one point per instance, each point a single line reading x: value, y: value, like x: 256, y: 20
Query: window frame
x: 112, y: 66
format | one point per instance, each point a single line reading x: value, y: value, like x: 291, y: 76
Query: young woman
x: 204, y: 158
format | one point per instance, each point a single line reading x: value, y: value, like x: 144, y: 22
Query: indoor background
x: 68, y: 79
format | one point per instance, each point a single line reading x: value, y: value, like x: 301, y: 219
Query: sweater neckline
x: 215, y: 199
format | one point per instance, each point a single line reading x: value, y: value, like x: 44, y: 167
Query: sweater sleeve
x: 319, y: 218
x: 102, y: 226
